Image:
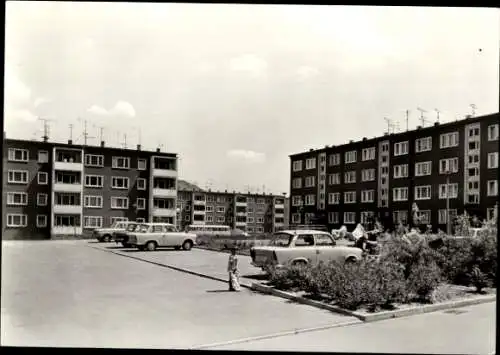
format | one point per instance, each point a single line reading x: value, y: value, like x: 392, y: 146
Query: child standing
x: 232, y: 269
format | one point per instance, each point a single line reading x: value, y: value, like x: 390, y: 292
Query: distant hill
x: 187, y: 186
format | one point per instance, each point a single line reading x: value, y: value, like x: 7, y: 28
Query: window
x: 490, y: 213
x: 400, y: 171
x: 473, y: 132
x: 473, y: 172
x: 350, y: 157
x: 423, y: 192
x: 423, y: 168
x: 210, y: 198
x: 473, y: 145
x: 297, y: 165
x: 43, y: 156
x: 334, y: 198
x: 350, y: 197
x: 473, y: 185
x: 367, y: 174
x: 493, y: 160
x: 350, y: 177
x: 94, y: 222
x: 452, y: 191
x: 448, y: 140
x: 367, y: 196
x: 17, y: 177
x: 473, y: 198
x: 210, y: 208
x: 368, y: 154
x: 333, y: 217
x: 304, y: 240
x: 424, y: 216
x: 400, y: 194
x: 119, y: 203
x: 296, y: 200
x: 141, y: 184
x: 17, y: 198
x: 250, y: 220
x: 401, y: 148
x: 17, y: 220
x: 334, y: 159
x: 297, y: 183
x: 141, y: 164
x: 311, y: 163
x: 448, y: 165
x: 119, y: 182
x: 492, y: 187
x: 41, y: 199
x: 121, y: 163
x: 93, y: 180
x: 385, y: 170
x: 442, y: 216
x: 473, y: 158
x: 367, y: 216
x: 220, y: 209
x: 187, y: 218
x: 400, y: 217
x: 141, y: 203
x: 310, y: 181
x: 188, y: 207
x: 41, y: 221
x: 259, y: 230
x: 385, y: 147
x: 493, y: 132
x: 94, y: 160
x: 334, y: 179
x: 221, y: 199
x: 220, y: 219
x: 349, y: 217
x: 296, y: 218
x: 43, y: 178
x: 423, y: 144
x: 92, y: 201
x: 310, y: 200
x: 19, y: 155
x: 260, y: 220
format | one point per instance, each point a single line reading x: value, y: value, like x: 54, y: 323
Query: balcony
x: 278, y: 206
x: 241, y: 204
x: 279, y: 215
x: 60, y: 187
x: 59, y: 230
x: 241, y: 214
x: 164, y: 212
x: 172, y: 193
x: 240, y: 224
x: 167, y: 173
x: 199, y: 202
x: 68, y: 209
x: 198, y: 212
x: 68, y: 166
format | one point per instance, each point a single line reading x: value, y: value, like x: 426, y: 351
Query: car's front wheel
x: 106, y: 238
x: 187, y: 245
x: 299, y: 263
x: 151, y: 246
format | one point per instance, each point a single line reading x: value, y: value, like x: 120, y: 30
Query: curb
x: 377, y: 316
x: 276, y: 335
x: 171, y: 267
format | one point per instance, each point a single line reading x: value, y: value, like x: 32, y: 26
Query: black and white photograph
x: 250, y: 177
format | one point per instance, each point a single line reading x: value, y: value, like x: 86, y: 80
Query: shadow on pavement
x: 259, y: 277
x: 218, y: 291
x: 94, y: 242
x: 154, y: 251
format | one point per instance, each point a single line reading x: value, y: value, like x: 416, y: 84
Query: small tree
x: 462, y: 226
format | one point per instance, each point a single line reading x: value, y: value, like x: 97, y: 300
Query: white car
x: 106, y: 234
x: 151, y: 236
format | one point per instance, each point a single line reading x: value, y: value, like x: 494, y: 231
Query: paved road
x: 68, y: 294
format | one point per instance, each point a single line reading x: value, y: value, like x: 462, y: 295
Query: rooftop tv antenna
x: 71, y: 131
x: 101, y: 133
x: 473, y: 107
x: 85, y: 132
x: 125, y: 140
x: 389, y: 124
x: 407, y: 117
x: 139, y: 135
x: 46, y: 128
x: 438, y: 112
x: 423, y: 120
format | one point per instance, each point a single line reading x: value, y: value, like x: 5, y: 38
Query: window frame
x: 12, y: 215
x: 116, y: 178
x: 100, y: 160
x: 116, y: 198
x: 12, y: 157
x: 116, y: 159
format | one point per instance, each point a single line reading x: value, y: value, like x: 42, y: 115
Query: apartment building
x: 386, y: 175
x: 253, y: 213
x: 54, y: 190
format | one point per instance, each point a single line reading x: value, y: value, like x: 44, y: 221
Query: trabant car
x: 106, y: 234
x: 300, y: 248
x: 122, y: 236
x: 150, y: 236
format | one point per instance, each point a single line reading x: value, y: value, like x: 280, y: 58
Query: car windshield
x: 142, y: 228
x: 280, y: 240
x: 131, y: 227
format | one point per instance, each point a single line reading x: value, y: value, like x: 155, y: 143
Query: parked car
x: 302, y: 247
x: 122, y: 236
x: 106, y: 234
x: 151, y: 236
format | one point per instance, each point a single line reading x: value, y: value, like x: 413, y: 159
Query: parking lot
x: 87, y: 294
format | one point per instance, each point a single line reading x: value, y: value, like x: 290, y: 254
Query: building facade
x: 54, y: 190
x: 385, y: 176
x: 253, y: 213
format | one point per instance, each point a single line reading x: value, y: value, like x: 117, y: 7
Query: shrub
x: 386, y: 284
x: 484, y: 256
x: 455, y: 261
x: 290, y: 278
x: 423, y: 279
x: 479, y: 279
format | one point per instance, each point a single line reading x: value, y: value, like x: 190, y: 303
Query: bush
x: 456, y: 259
x: 484, y: 256
x: 290, y: 278
x: 423, y: 279
x: 479, y: 279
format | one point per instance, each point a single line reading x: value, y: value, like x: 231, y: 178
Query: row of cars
x: 146, y: 236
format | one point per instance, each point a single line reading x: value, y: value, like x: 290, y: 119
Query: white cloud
x: 17, y: 93
x: 249, y: 63
x: 40, y: 101
x: 20, y: 114
x: 305, y: 72
x: 121, y: 108
x: 247, y: 155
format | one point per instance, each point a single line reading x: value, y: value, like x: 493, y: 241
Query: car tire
x: 351, y: 260
x: 299, y: 263
x: 187, y: 245
x: 150, y: 246
x: 106, y: 238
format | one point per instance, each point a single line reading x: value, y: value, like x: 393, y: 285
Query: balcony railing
x: 66, y: 230
x: 68, y: 209
x: 167, y: 173
x: 68, y: 166
x: 164, y: 212
x: 63, y: 187
x: 157, y: 192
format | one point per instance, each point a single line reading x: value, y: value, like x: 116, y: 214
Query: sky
x: 236, y: 89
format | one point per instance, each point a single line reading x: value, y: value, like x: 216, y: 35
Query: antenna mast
x: 71, y: 131
x: 45, y: 128
x: 125, y: 140
x: 473, y: 107
x: 438, y: 112
x: 85, y: 133
x: 407, y: 115
x: 422, y: 118
x: 389, y: 124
